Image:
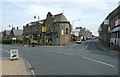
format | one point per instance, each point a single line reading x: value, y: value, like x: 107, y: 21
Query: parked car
x: 78, y: 42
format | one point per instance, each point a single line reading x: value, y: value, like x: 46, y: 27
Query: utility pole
x: 37, y: 30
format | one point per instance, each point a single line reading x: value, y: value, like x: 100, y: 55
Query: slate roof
x: 7, y: 32
x: 60, y: 18
x: 17, y: 31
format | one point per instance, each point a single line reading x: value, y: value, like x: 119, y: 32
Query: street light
x: 38, y: 35
x: 74, y: 21
x: 11, y: 26
x: 37, y: 17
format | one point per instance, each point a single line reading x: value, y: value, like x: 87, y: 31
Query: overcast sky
x: 91, y: 13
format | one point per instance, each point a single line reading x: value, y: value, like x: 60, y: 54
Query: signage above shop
x: 117, y: 22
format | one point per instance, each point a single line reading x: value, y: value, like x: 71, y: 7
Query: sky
x: 88, y: 14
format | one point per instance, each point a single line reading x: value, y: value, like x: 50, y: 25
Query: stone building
x: 110, y: 33
x: 75, y: 34
x: 56, y: 30
x: 6, y: 35
x: 16, y: 34
x: 85, y: 34
x: 81, y: 33
x: 13, y: 34
x: 62, y: 29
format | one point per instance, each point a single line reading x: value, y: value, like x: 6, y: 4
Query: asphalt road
x: 87, y: 58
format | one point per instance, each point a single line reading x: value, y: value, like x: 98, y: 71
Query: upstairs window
x: 66, y: 30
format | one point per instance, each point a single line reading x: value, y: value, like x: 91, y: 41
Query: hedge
x: 6, y: 42
x: 10, y: 42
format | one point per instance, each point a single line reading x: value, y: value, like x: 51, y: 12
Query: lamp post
x: 37, y: 17
x: 11, y: 26
x: 38, y: 35
x: 74, y: 21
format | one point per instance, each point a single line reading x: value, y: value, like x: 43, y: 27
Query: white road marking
x: 61, y: 52
x: 50, y: 51
x: 83, y: 50
x: 30, y: 67
x: 67, y: 54
x: 102, y: 47
x: 6, y: 51
x: 98, y: 62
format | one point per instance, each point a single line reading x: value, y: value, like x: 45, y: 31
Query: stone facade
x: 110, y: 33
x: 80, y: 33
x: 16, y: 33
x: 6, y: 35
x: 86, y: 34
x: 57, y: 32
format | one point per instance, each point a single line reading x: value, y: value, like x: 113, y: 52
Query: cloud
x: 90, y: 12
x: 60, y: 1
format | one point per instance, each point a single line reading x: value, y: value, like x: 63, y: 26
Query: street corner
x: 14, y: 67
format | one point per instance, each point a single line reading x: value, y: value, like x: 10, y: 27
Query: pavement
x: 15, y: 67
x: 109, y: 49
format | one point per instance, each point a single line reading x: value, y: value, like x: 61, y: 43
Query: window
x: 66, y: 30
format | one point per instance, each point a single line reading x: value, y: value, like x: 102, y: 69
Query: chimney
x: 13, y: 28
x: 17, y: 28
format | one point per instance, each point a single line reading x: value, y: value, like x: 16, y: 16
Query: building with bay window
x: 54, y: 30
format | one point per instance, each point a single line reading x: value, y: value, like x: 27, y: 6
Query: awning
x: 115, y: 29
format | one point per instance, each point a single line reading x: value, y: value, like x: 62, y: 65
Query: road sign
x: 43, y: 29
x: 13, y: 54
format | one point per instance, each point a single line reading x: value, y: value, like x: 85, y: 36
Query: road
x: 87, y: 58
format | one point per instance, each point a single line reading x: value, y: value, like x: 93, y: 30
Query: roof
x: 7, y: 32
x: 18, y: 31
x: 1, y: 33
x: 60, y: 18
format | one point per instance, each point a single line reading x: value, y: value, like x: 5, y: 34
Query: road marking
x: 98, y: 62
x: 6, y: 51
x: 102, y: 47
x: 67, y: 54
x: 50, y: 51
x: 61, y: 52
x: 30, y: 67
x: 83, y: 50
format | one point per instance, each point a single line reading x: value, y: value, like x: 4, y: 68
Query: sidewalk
x: 15, y: 67
x: 106, y: 48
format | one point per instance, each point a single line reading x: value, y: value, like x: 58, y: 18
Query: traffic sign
x: 13, y: 54
x: 43, y: 29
